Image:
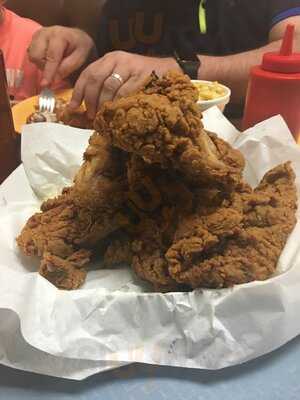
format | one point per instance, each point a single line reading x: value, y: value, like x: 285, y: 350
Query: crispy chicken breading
x: 171, y: 135
x: 149, y: 261
x: 77, y: 118
x: 150, y: 187
x: 80, y: 218
x: 65, y: 273
x: 240, y: 241
x: 119, y: 251
x: 176, y: 87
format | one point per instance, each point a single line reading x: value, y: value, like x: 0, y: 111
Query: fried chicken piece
x: 101, y: 182
x: 171, y: 135
x: 76, y: 119
x: 61, y: 114
x: 240, y: 241
x: 158, y: 199
x: 81, y: 217
x: 150, y: 187
x: 176, y: 86
x: 149, y: 262
x: 65, y: 273
x: 118, y: 252
x: 144, y: 193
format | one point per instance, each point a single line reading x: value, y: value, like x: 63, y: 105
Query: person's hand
x: 115, y: 75
x: 59, y: 51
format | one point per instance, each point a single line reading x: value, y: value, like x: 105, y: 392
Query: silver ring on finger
x: 117, y: 77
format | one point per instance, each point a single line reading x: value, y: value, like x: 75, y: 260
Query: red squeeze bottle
x: 274, y: 87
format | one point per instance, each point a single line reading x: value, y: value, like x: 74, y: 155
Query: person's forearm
x: 234, y: 70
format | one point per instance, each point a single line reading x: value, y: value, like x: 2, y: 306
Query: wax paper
x: 114, y: 318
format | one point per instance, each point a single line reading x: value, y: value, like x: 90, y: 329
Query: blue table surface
x: 275, y: 376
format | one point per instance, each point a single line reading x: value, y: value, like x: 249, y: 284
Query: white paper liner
x: 114, y: 319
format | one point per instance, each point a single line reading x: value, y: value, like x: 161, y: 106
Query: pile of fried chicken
x: 160, y: 193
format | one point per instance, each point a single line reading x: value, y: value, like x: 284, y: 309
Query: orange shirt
x: 15, y: 37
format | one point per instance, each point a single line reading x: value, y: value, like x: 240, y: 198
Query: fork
x: 46, y: 101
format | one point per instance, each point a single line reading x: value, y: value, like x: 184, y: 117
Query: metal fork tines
x: 46, y: 101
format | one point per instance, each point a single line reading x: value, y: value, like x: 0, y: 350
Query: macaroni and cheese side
x: 210, y: 90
